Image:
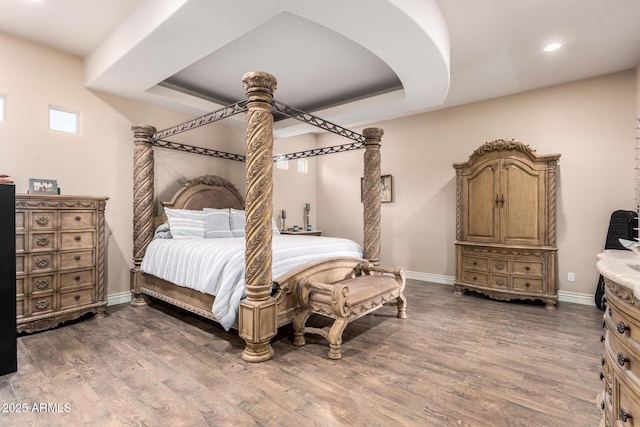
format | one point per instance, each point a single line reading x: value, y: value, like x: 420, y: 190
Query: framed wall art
x: 386, y: 184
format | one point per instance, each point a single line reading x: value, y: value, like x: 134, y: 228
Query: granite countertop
x: 622, y: 267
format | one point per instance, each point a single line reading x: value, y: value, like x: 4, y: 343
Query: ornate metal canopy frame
x: 157, y: 140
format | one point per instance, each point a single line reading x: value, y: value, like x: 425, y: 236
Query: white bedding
x: 216, y: 266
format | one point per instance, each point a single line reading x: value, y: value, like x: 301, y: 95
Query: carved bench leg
x: 298, y: 327
x: 402, y: 306
x: 335, y: 337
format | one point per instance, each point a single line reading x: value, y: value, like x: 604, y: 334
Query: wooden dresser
x: 505, y: 223
x: 60, y: 259
x: 620, y: 399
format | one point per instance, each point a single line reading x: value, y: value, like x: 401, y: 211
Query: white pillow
x: 186, y: 223
x: 217, y: 223
x: 237, y: 221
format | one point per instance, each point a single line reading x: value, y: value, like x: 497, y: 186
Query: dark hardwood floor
x: 456, y: 361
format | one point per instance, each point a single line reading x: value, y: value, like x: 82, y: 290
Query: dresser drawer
x: 42, y: 220
x: 39, y: 284
x: 475, y: 263
x: 21, y: 243
x: 475, y: 278
x: 621, y: 322
x: 623, y: 356
x: 499, y: 281
x: 21, y: 307
x: 76, y: 298
x: 527, y: 284
x: 628, y: 411
x: 40, y: 263
x: 41, y: 304
x: 20, y: 264
x: 77, y: 240
x: 20, y: 221
x: 499, y: 265
x: 20, y: 287
x: 528, y: 268
x: 42, y: 242
x: 77, y: 219
x: 76, y: 259
x: 74, y: 279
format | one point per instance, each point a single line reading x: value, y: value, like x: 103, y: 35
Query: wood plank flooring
x: 456, y: 361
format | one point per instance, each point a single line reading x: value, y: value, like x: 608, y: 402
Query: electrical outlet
x: 571, y: 277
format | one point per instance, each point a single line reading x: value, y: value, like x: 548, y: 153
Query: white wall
x: 99, y: 160
x: 590, y: 123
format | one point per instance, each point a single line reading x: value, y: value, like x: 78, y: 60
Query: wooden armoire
x: 505, y: 223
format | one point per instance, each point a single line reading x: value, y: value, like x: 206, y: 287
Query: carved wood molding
x: 50, y: 203
x: 507, y: 295
x: 504, y: 251
x: 501, y: 145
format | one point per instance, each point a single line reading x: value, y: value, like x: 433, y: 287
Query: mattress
x: 216, y: 266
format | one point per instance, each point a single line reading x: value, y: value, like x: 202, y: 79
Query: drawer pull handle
x: 475, y: 278
x: 500, y: 282
x: 602, y: 360
x: 526, y: 285
x: 78, y: 218
x: 42, y: 262
x: 76, y: 278
x: 527, y: 268
x: 42, y: 304
x: 624, y: 415
x: 601, y: 338
x: 77, y: 257
x: 601, y: 376
x: 475, y: 263
x: 604, y: 323
x: 499, y: 266
x: 42, y: 220
x: 621, y: 359
x: 622, y: 327
x: 43, y: 241
x: 78, y: 238
x: 42, y: 284
x: 77, y: 297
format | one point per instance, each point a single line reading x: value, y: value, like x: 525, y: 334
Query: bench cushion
x: 361, y: 289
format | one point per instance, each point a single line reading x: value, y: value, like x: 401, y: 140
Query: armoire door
x: 480, y: 192
x: 522, y: 204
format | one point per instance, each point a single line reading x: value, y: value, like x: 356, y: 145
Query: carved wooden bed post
x: 257, y: 322
x: 372, y: 194
x: 142, y: 203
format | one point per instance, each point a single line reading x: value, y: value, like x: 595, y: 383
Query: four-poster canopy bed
x: 269, y: 303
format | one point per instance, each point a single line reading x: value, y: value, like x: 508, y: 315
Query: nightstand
x: 303, y: 232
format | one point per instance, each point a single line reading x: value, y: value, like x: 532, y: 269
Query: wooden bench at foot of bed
x: 347, y: 300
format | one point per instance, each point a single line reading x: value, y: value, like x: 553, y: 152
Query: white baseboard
x: 563, y: 296
x: 120, y: 298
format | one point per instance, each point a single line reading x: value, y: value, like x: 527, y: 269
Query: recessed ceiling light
x: 552, y: 46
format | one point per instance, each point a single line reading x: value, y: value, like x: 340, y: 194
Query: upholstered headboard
x: 207, y: 191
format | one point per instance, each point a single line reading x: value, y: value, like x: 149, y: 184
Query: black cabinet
x: 8, y: 334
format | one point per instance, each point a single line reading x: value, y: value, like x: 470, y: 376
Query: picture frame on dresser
x: 43, y: 186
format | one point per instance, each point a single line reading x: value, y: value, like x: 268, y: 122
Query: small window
x: 63, y: 121
x: 302, y: 165
x: 2, y: 98
x: 281, y: 162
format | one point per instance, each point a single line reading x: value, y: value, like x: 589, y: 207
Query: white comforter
x: 216, y: 266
